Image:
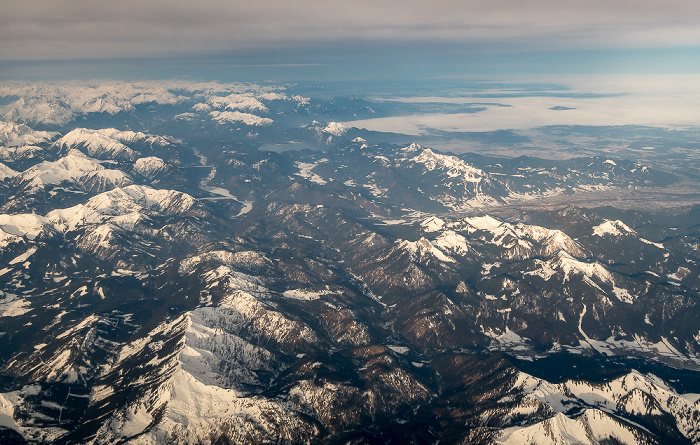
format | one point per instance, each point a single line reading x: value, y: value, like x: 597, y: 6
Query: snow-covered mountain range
x: 167, y: 277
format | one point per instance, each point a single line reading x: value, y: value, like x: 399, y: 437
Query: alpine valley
x: 227, y: 263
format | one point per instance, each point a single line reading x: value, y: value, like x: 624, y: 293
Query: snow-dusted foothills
x: 186, y: 262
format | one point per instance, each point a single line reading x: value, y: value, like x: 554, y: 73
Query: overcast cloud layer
x: 40, y: 29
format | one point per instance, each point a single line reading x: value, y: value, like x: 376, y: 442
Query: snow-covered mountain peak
x: 570, y: 265
x: 27, y: 225
x: 246, y: 260
x: 168, y: 202
x: 201, y: 108
x: 150, y: 166
x: 615, y: 228
x: 246, y: 102
x: 128, y: 137
x: 452, y: 165
x: 13, y: 134
x: 432, y: 224
x: 273, y: 96
x: 336, y: 129
x: 129, y: 201
x: 553, y: 240
x: 74, y: 167
x: 487, y: 223
x: 422, y: 247
x: 6, y: 172
x: 414, y: 147
x: 452, y: 242
x: 630, y: 395
x: 523, y: 239
x: 223, y: 117
x: 103, y: 144
x: 592, y: 427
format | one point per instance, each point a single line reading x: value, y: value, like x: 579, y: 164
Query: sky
x: 431, y: 37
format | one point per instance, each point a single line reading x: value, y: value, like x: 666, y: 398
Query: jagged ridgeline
x: 188, y: 262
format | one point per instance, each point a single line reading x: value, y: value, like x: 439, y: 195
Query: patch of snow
x: 623, y: 295
x: 22, y: 258
x: 659, y: 245
x: 13, y: 306
x: 399, y: 349
x: 680, y: 274
x: 375, y: 190
x: 486, y: 267
x: 7, y: 414
x: 305, y: 171
x: 394, y: 222
x: 509, y: 340
x: 24, y: 224
x: 86, y: 322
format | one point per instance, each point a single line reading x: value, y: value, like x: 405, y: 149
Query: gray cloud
x: 128, y: 28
